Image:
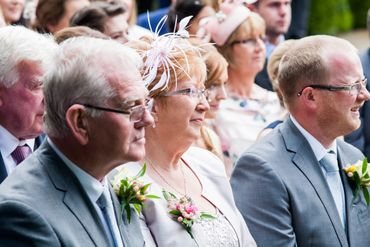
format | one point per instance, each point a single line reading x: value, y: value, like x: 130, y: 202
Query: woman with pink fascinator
x: 238, y: 34
x: 196, y: 205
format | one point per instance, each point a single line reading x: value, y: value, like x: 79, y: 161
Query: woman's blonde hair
x: 216, y: 64
x: 253, y: 25
x: 273, y: 65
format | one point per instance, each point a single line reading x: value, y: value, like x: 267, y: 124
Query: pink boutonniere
x: 184, y: 211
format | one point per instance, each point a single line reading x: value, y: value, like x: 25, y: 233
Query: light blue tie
x: 330, y: 164
x: 104, y: 206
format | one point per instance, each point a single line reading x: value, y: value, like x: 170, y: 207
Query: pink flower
x: 191, y: 209
x: 179, y: 219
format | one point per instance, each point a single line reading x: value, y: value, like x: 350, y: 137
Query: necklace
x: 166, y: 182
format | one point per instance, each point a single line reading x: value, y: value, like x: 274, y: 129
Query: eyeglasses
x: 252, y: 42
x: 136, y: 113
x: 214, y: 89
x: 192, y: 92
x: 353, y: 89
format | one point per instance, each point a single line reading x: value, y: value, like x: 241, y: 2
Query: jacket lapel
x: 305, y: 160
x: 75, y: 199
x: 130, y: 231
x: 349, y: 189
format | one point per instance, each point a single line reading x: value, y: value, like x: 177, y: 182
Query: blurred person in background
x: 200, y: 13
x: 273, y: 72
x: 70, y: 32
x: 277, y: 15
x: 108, y: 18
x: 153, y: 18
x: 215, y: 85
x: 12, y: 10
x: 54, y: 15
x: 239, y: 34
x: 134, y: 30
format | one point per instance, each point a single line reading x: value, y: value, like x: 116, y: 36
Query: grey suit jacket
x: 283, y: 196
x: 43, y: 204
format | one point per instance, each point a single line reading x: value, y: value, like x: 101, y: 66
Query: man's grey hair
x: 18, y: 44
x: 84, y: 66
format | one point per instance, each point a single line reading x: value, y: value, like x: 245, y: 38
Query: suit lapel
x: 349, y: 189
x: 122, y: 221
x: 304, y: 159
x: 130, y: 232
x: 75, y: 199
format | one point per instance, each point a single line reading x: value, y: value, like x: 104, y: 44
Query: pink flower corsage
x: 184, y: 211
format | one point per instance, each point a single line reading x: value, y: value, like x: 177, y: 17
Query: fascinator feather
x: 160, y: 55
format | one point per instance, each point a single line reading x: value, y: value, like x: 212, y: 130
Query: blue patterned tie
x: 330, y: 164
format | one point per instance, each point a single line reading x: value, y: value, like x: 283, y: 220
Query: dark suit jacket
x: 263, y: 79
x: 361, y: 137
x: 284, y: 198
x: 3, y: 172
x: 42, y: 203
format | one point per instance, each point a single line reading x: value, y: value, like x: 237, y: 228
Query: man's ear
x: 78, y: 123
x: 308, y: 97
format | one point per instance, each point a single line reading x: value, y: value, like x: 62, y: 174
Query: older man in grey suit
x: 290, y: 186
x: 95, y: 119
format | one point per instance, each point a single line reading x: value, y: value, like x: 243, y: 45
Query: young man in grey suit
x: 286, y: 189
x: 25, y: 59
x: 95, y: 118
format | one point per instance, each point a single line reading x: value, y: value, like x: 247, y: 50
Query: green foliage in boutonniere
x: 184, y: 211
x: 131, y: 191
x: 359, y: 173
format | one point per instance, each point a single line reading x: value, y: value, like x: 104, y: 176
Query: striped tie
x: 20, y: 153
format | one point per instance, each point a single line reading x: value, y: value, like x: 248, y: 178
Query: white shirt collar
x: 93, y: 187
x: 318, y: 149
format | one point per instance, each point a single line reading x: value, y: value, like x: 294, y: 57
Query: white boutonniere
x: 131, y: 191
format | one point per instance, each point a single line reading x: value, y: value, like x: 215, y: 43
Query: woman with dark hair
x: 108, y: 18
x: 54, y: 15
x: 195, y: 8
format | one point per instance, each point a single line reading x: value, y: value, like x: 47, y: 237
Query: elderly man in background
x: 26, y: 57
x: 277, y: 15
x: 95, y: 119
x: 290, y: 186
